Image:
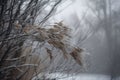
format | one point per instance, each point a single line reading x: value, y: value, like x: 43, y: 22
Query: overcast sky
x: 70, y: 7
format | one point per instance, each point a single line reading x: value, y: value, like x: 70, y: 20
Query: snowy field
x: 81, y: 77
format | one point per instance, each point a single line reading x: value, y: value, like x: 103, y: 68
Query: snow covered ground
x: 59, y: 76
x: 88, y: 77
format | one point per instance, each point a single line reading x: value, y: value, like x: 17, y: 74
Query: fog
x: 60, y: 39
x: 95, y: 28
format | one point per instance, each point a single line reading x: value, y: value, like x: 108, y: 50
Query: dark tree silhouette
x: 15, y: 15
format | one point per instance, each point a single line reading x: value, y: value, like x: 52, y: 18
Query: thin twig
x: 14, y: 66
